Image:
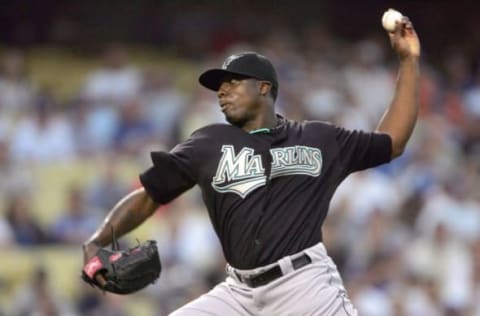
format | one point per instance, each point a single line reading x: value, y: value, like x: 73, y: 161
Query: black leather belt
x: 273, y: 273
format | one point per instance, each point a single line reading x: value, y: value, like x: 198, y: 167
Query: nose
x: 223, y: 90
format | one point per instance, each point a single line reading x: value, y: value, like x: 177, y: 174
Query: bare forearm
x: 128, y: 214
x: 400, y: 117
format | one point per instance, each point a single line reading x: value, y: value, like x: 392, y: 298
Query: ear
x: 265, y: 87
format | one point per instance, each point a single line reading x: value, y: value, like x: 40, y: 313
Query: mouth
x: 225, y: 106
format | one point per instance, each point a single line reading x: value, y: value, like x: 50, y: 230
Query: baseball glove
x: 125, y: 271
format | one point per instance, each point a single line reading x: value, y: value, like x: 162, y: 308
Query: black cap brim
x: 212, y: 79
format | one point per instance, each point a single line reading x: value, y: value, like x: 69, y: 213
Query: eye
x: 234, y: 82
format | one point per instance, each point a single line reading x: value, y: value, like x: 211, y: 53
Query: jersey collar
x: 279, y: 131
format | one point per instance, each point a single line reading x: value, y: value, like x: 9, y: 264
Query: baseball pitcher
x: 267, y: 182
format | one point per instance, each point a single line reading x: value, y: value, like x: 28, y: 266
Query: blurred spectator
x: 371, y: 301
x: 368, y: 81
x: 420, y: 296
x: 448, y: 262
x: 429, y: 94
x: 106, y: 90
x: 27, y: 231
x: 88, y: 301
x: 16, y: 89
x: 420, y: 176
x: 379, y: 235
x: 475, y: 303
x: 15, y: 177
x: 38, y: 298
x: 7, y: 237
x: 472, y: 116
x: 116, y: 81
x: 374, y: 297
x: 202, y: 110
x: 97, y: 126
x: 113, y: 305
x: 87, y: 134
x: 105, y: 190
x: 91, y: 302
x: 44, y: 136
x: 76, y: 223
x: 366, y: 192
x: 164, y: 104
x: 134, y: 131
x: 324, y: 97
x: 450, y: 206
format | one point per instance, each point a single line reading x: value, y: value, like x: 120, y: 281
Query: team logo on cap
x: 230, y: 59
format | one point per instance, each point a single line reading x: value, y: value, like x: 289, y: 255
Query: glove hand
x: 89, y: 251
x: 121, y: 272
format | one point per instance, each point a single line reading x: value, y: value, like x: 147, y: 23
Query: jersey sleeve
x: 172, y: 172
x: 361, y: 150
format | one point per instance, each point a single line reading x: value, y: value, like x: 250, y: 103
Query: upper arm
x: 360, y: 150
x: 397, y: 145
x: 172, y: 173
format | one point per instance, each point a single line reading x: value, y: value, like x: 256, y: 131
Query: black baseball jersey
x: 267, y: 192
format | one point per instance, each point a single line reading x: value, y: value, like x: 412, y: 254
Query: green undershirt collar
x: 260, y: 130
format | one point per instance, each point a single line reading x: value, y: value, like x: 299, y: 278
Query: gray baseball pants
x: 314, y: 289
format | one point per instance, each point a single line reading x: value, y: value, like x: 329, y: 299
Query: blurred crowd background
x: 88, y: 89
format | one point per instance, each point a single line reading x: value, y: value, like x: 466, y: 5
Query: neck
x: 266, y: 119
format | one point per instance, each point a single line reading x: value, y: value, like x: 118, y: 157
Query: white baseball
x: 389, y: 18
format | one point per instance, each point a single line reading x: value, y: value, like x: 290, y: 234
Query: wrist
x: 409, y: 59
x: 91, y: 244
x: 90, y: 249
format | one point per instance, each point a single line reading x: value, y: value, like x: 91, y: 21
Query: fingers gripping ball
x: 390, y: 18
x: 125, y: 271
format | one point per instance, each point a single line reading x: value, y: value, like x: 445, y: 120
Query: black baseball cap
x: 248, y: 64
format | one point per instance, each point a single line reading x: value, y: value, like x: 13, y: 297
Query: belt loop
x: 238, y: 276
x: 285, y: 265
x: 317, y: 252
x: 231, y: 272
